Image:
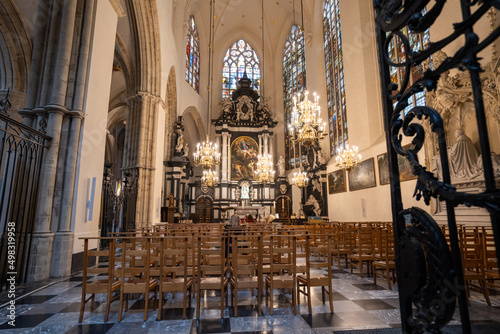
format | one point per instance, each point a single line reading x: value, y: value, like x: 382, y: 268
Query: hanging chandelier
x: 347, y: 158
x: 300, y: 179
x: 306, y: 125
x: 209, y: 178
x: 264, y: 172
x: 206, y: 155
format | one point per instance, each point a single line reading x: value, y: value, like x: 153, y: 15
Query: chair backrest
x: 211, y: 255
x: 283, y: 254
x: 247, y: 255
x: 318, y: 253
x: 94, y: 255
x: 135, y: 259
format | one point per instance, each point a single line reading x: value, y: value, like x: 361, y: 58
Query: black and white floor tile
x: 358, y: 305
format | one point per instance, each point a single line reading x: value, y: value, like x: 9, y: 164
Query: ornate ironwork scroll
x: 21, y: 153
x: 429, y: 274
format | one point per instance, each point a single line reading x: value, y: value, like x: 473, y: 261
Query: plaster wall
x: 93, y: 138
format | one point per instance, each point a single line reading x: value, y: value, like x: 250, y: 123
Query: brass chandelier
x: 300, y: 179
x: 206, y: 155
x: 209, y: 178
x: 306, y: 125
x: 264, y: 172
x: 347, y: 158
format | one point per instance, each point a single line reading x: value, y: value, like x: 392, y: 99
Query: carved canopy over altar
x: 244, y: 108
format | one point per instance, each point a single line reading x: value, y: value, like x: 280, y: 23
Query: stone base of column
x: 63, y: 250
x: 40, y: 257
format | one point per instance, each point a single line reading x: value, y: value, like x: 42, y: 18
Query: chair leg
x: 222, y: 302
x: 486, y: 292
x: 92, y: 303
x: 309, y: 298
x: 108, y: 304
x: 198, y: 304
x: 82, y: 307
x: 146, y: 304
x: 120, y: 309
x: 160, y: 304
x: 330, y: 297
x: 388, y: 273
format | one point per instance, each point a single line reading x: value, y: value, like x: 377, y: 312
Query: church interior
x: 157, y: 143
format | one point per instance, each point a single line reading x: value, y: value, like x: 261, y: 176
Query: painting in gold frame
x: 244, y: 152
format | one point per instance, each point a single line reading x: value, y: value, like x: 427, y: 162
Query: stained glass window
x: 294, y: 81
x: 335, y: 86
x: 240, y: 58
x: 397, y: 55
x: 193, y: 55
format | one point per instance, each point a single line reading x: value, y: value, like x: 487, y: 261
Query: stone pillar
x: 225, y: 156
x: 260, y: 145
x: 266, y: 143
x: 218, y: 142
x: 228, y: 177
x: 271, y: 145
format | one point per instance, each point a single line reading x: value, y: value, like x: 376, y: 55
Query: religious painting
x: 362, y: 176
x: 244, y: 152
x: 405, y: 172
x: 336, y: 182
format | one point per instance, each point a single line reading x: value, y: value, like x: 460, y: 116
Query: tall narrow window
x: 294, y: 81
x: 240, y: 58
x: 193, y: 56
x: 335, y: 86
x: 398, y: 55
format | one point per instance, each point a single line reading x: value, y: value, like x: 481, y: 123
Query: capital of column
x: 144, y: 96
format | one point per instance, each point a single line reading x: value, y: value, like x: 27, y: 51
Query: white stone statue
x: 281, y: 166
x: 186, y: 149
x: 314, y: 202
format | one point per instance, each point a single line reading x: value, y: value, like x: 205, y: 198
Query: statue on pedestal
x: 281, y: 166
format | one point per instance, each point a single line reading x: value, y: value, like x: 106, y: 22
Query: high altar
x: 244, y: 129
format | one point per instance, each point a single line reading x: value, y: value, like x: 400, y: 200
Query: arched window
x: 335, y: 86
x: 193, y: 56
x: 294, y: 81
x: 240, y: 58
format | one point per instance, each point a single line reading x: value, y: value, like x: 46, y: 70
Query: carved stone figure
x: 314, y: 202
x: 186, y: 150
x: 180, y: 142
x: 281, y: 166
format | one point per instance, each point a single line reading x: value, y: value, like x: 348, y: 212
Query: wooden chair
x: 106, y: 285
x: 246, y: 268
x: 317, y: 247
x: 385, y: 259
x: 343, y: 242
x: 473, y: 262
x: 176, y: 274
x: 364, y: 251
x: 135, y: 272
x: 491, y: 269
x: 212, y: 268
x: 282, y: 273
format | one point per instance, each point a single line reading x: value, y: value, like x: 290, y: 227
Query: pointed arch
x: 171, y: 113
x: 240, y: 58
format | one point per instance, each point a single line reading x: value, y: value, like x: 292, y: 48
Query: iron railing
x: 21, y: 152
x: 430, y: 274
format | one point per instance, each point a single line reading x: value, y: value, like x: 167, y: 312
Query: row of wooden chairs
x: 153, y: 266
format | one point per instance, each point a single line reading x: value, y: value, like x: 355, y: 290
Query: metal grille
x: 429, y: 273
x: 21, y: 152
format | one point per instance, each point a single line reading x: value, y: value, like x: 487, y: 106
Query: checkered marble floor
x: 358, y: 305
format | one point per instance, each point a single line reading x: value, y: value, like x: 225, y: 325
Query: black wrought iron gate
x: 21, y: 151
x: 429, y: 274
